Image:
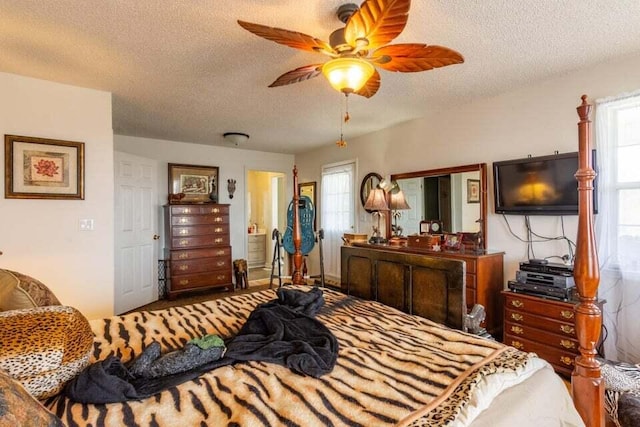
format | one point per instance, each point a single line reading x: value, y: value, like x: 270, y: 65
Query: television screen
x: 537, y: 185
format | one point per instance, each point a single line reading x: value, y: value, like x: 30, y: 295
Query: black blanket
x: 281, y: 331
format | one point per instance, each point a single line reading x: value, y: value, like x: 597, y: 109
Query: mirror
x: 369, y: 182
x: 456, y: 197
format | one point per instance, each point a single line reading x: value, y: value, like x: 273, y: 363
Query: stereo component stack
x: 544, y: 279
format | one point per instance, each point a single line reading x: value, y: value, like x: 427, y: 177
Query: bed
x: 393, y: 369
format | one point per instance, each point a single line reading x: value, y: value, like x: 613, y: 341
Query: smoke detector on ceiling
x: 236, y: 138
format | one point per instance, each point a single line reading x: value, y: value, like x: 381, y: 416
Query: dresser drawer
x: 559, y: 342
x: 556, y: 326
x: 199, y: 219
x: 199, y: 230
x: 470, y: 265
x: 200, y: 253
x: 542, y: 307
x: 200, y: 265
x: 200, y: 210
x: 562, y: 361
x: 199, y: 241
x: 190, y: 281
x: 256, y: 247
x: 471, y: 280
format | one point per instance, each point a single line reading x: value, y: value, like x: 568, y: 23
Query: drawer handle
x: 183, y: 267
x: 183, y: 256
x: 218, y: 219
x: 517, y: 344
x: 567, y: 314
x: 184, y: 281
x: 220, y: 263
x: 218, y: 240
x: 566, y: 360
x: 220, y: 276
x: 184, y: 231
x: 517, y: 330
x: 517, y: 303
x: 517, y: 316
x: 567, y: 344
x: 215, y: 210
x: 222, y: 252
x: 184, y: 242
x: 568, y: 329
x: 183, y: 220
x: 218, y: 230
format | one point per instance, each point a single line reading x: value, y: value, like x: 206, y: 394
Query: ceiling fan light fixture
x: 236, y: 138
x: 348, y: 75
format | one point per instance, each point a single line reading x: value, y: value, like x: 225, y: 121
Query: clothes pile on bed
x: 283, y: 331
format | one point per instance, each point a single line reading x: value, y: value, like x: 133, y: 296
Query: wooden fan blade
x: 371, y: 87
x: 414, y: 57
x: 288, y: 38
x: 298, y: 75
x: 379, y: 21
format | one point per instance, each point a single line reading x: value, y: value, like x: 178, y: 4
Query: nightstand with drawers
x: 543, y: 326
x: 197, y: 247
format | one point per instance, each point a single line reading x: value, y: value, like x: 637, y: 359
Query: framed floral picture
x: 39, y: 168
x: 197, y: 184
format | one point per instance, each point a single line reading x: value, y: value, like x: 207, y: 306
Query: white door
x: 410, y: 219
x: 338, y: 211
x: 136, y: 252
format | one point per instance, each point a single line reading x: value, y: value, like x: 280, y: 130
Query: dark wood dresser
x: 197, y: 247
x: 483, y: 277
x: 542, y: 326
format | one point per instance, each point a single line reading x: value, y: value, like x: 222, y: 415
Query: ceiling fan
x: 359, y: 47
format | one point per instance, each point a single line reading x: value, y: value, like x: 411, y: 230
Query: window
x: 338, y: 210
x: 618, y: 143
x: 618, y: 223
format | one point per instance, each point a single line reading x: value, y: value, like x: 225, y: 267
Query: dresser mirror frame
x: 476, y: 167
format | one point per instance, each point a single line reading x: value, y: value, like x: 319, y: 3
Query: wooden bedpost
x: 586, y: 381
x: 296, y: 276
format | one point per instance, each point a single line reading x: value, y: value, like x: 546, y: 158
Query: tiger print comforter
x: 393, y: 369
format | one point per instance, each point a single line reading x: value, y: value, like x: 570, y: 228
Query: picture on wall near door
x: 473, y: 191
x: 199, y: 184
x: 39, y: 168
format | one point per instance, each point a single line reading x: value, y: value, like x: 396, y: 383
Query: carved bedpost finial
x: 584, y: 110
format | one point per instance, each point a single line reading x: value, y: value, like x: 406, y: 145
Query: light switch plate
x: 86, y: 225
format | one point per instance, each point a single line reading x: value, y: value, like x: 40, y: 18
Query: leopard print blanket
x: 392, y: 369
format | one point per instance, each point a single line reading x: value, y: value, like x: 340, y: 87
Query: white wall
x: 537, y: 119
x: 41, y: 238
x: 233, y: 163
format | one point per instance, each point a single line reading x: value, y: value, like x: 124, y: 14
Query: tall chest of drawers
x: 542, y: 326
x: 197, y: 247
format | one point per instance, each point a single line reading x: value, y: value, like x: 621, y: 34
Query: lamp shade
x: 376, y: 201
x: 347, y: 75
x: 398, y: 201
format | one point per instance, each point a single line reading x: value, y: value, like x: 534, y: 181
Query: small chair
x: 240, y: 272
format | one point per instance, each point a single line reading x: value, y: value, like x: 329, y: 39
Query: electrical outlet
x: 86, y: 224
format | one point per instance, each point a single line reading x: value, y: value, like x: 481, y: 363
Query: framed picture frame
x: 41, y: 168
x: 473, y: 191
x: 199, y: 184
x: 309, y: 189
x: 452, y: 241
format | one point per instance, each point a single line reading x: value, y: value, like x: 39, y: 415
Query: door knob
x: 156, y: 237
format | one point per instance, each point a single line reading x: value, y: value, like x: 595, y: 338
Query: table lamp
x: 377, y: 202
x: 397, y: 203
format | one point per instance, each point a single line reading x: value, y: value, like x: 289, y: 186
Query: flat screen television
x: 543, y: 185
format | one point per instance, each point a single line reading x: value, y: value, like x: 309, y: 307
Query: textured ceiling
x: 186, y: 71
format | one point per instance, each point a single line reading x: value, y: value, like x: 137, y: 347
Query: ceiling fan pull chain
x: 341, y: 142
x: 347, y: 117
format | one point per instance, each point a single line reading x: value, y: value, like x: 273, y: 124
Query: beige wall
x: 537, y: 119
x: 41, y: 238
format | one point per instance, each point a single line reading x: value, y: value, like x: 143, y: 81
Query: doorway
x: 266, y: 210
